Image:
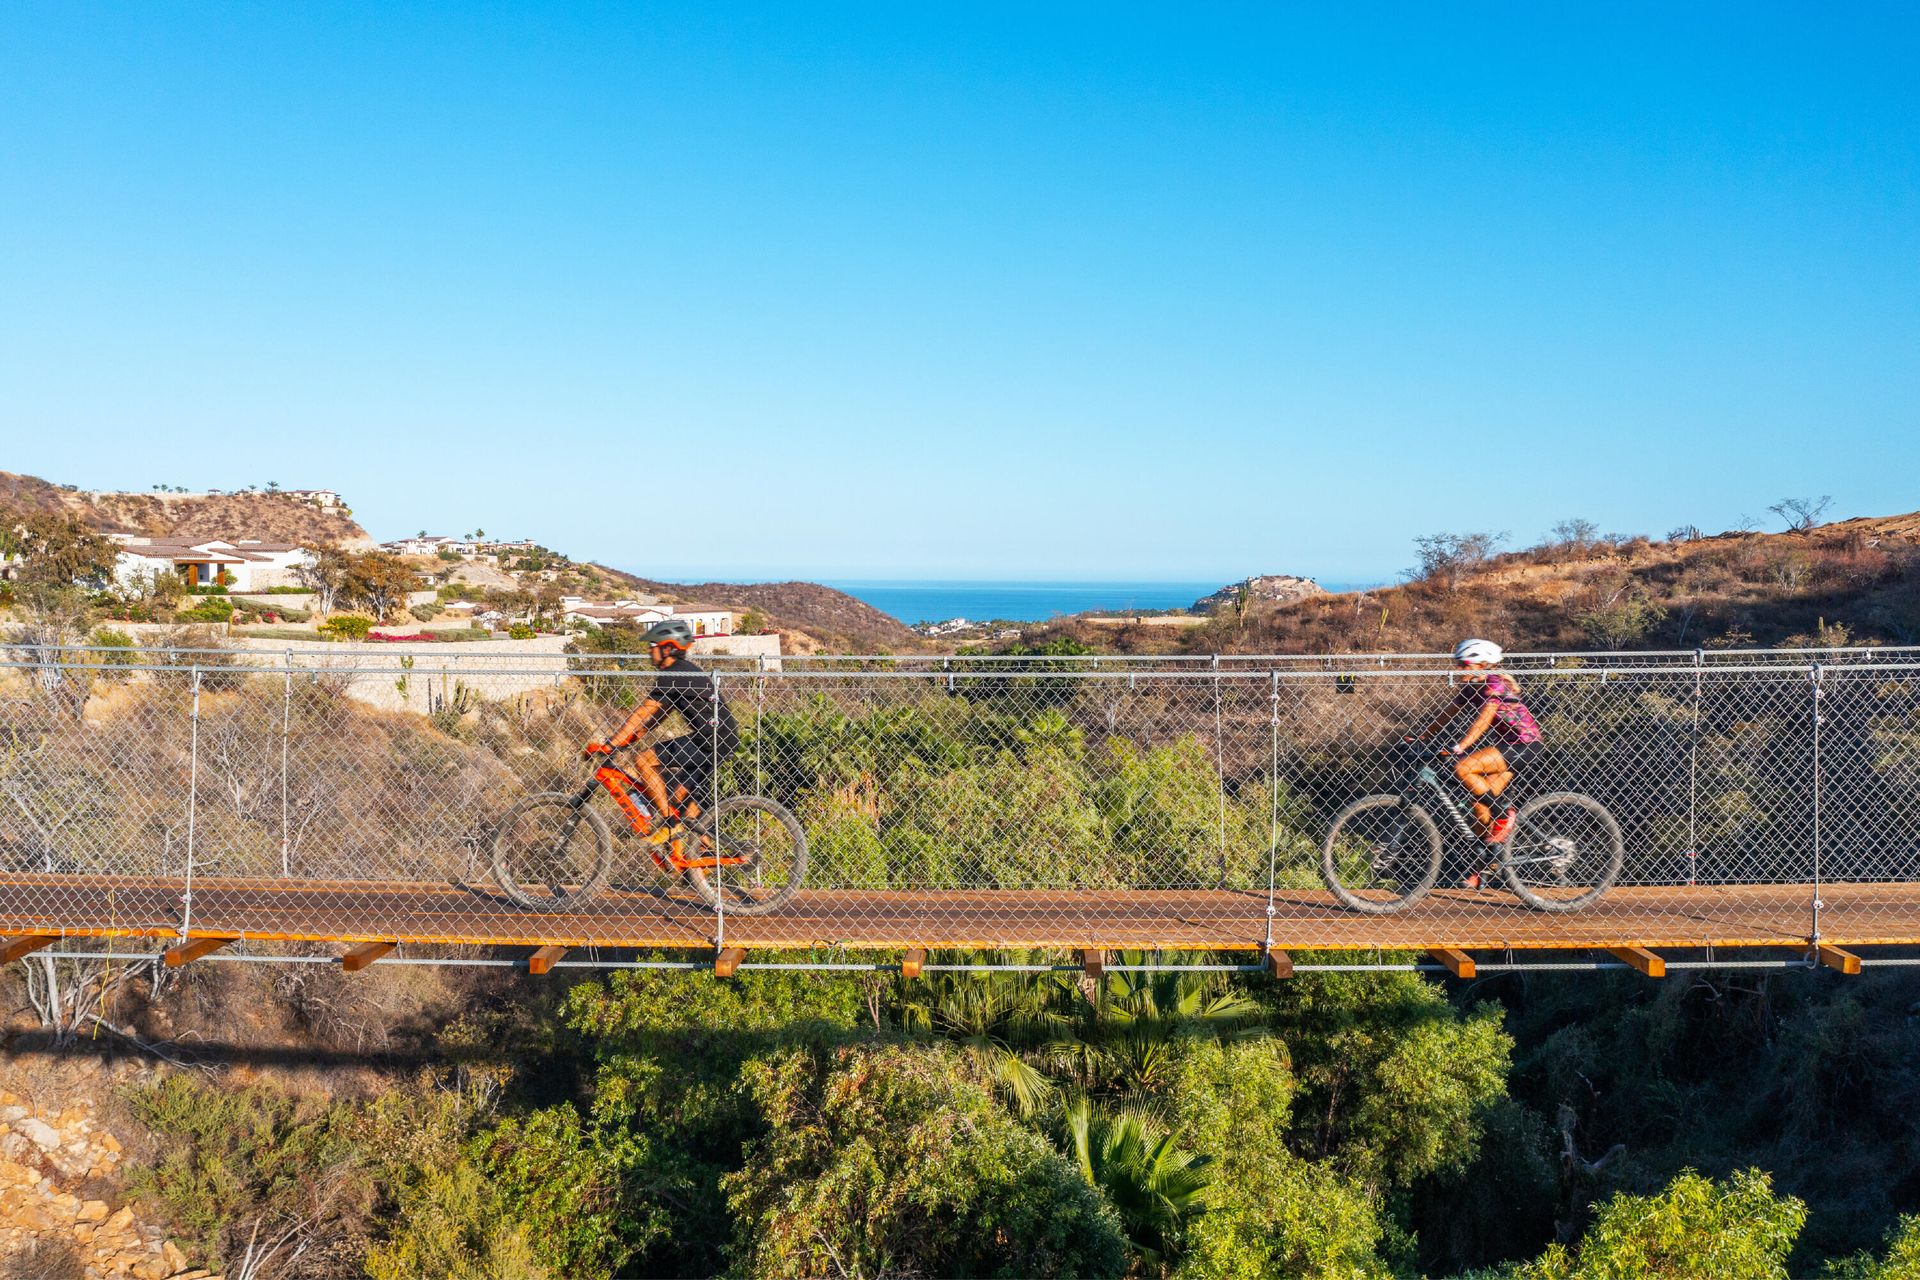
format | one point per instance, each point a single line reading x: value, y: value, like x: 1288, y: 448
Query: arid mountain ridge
x: 271, y: 516
x: 1850, y: 582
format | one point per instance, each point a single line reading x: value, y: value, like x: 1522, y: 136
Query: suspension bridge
x: 338, y: 809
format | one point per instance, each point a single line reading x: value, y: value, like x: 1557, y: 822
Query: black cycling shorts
x: 690, y: 755
x: 1517, y: 753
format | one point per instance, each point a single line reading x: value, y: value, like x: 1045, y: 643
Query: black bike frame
x: 1427, y: 779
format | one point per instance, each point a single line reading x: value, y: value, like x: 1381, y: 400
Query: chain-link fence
x: 1698, y: 799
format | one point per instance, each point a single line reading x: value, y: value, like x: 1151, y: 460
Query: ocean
x: 913, y: 602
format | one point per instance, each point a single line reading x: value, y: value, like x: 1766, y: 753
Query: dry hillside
x: 830, y: 619
x: 273, y: 517
x: 1849, y: 582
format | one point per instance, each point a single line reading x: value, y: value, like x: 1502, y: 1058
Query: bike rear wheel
x: 1382, y: 855
x: 551, y: 852
x: 764, y: 833
x: 1565, y: 851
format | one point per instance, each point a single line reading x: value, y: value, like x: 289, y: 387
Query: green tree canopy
x: 1696, y: 1229
x: 895, y: 1161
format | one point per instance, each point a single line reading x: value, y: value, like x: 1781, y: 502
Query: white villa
x: 251, y: 564
x: 427, y: 546
x: 706, y: 620
x: 466, y: 548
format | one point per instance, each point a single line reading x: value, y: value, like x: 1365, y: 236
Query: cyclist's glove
x: 596, y: 749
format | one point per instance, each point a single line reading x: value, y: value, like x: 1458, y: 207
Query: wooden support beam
x: 1640, y: 958
x: 364, y: 954
x: 542, y: 960
x: 1834, y: 958
x: 1458, y: 963
x: 1279, y: 963
x: 727, y: 963
x: 19, y: 947
x: 913, y: 962
x: 1094, y: 963
x: 188, y: 952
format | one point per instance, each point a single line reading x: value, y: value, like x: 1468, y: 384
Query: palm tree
x: 997, y: 1018
x: 1126, y: 1039
x: 1153, y: 1185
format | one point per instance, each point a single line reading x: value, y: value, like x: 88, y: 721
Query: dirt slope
x: 273, y: 517
x: 1849, y: 582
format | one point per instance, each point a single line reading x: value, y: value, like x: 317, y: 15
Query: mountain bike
x: 552, y: 851
x: 1384, y: 852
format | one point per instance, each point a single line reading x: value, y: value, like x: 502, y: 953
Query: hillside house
x: 631, y: 612
x: 325, y: 499
x: 250, y: 564
x: 706, y: 619
x: 425, y: 546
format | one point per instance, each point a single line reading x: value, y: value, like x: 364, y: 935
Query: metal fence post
x: 1273, y: 829
x: 1693, y: 774
x: 1818, y: 694
x: 1220, y: 770
x: 286, y: 730
x: 713, y: 817
x: 193, y: 802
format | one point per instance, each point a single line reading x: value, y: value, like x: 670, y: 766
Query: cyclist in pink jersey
x: 1505, y: 724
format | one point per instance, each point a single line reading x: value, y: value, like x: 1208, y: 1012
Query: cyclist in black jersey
x: 690, y: 758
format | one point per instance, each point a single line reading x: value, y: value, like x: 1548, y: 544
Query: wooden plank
x: 1834, y: 958
x: 363, y: 955
x: 1458, y: 963
x: 913, y: 962
x: 188, y: 952
x: 541, y: 961
x: 727, y: 963
x: 1094, y: 963
x: 19, y: 947
x: 1640, y: 958
x: 1279, y: 963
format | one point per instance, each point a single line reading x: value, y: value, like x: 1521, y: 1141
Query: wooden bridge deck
x: 1175, y: 920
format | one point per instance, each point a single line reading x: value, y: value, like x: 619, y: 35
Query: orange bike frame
x: 622, y: 788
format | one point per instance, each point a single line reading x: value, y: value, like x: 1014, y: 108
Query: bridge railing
x: 1762, y: 797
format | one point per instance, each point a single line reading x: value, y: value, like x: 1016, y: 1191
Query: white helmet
x: 1483, y: 652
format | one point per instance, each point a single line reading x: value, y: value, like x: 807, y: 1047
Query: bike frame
x: 625, y: 792
x: 1426, y: 782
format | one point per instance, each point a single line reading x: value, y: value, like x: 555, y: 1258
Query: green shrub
x: 520, y: 631
x: 347, y: 626
x: 1696, y: 1229
x: 426, y: 612
x: 229, y: 1164
x: 210, y: 609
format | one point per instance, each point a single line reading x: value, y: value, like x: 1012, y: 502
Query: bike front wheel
x: 551, y: 852
x: 1381, y: 856
x: 1565, y: 851
x: 769, y: 839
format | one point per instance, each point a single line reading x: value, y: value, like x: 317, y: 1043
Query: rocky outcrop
x: 1267, y: 589
x: 51, y: 1221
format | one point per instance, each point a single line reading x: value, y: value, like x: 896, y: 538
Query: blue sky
x: 1021, y: 291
